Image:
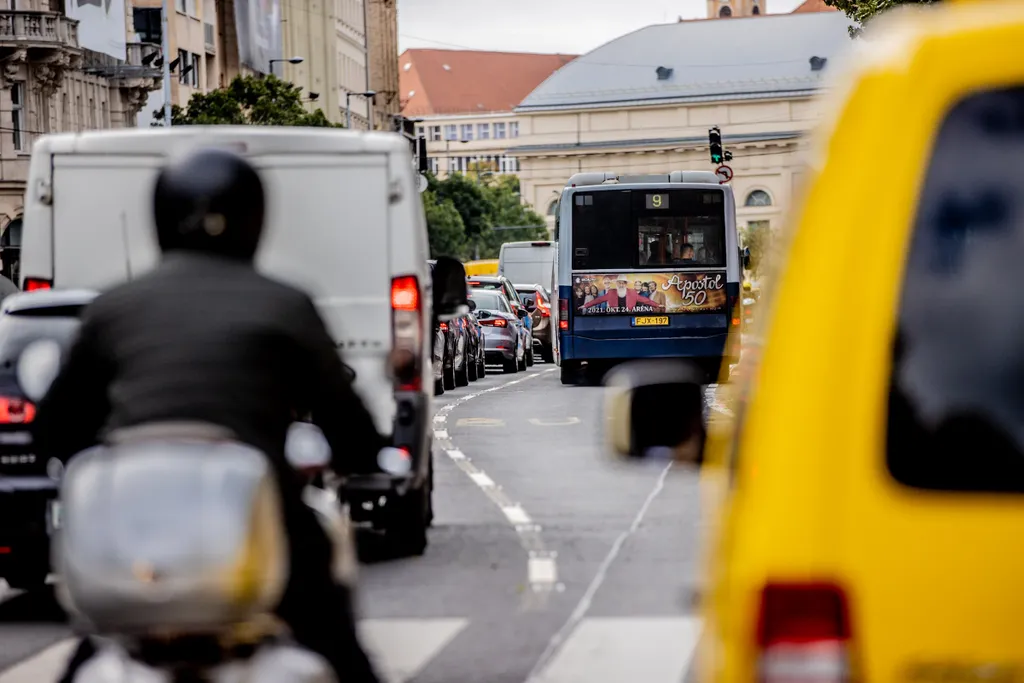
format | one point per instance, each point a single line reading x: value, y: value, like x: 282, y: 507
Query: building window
x: 435, y: 133
x: 499, y: 131
x: 483, y: 131
x: 758, y: 198
x: 92, y: 114
x: 433, y: 166
x: 65, y: 113
x: 147, y: 24
x: 79, y: 113
x: 182, y: 65
x: 420, y: 131
x: 193, y: 75
x: 451, y: 132
x: 466, y: 131
x: 513, y: 129
x: 725, y: 12
x: 18, y: 115
x: 180, y: 6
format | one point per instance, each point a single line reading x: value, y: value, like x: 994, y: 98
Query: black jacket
x: 204, y: 338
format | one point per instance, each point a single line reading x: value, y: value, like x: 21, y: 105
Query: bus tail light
x: 33, y: 284
x: 16, y: 411
x: 407, y: 328
x: 563, y: 314
x: 803, y: 634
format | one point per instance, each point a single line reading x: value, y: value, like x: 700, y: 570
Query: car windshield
x: 18, y: 330
x: 489, y: 301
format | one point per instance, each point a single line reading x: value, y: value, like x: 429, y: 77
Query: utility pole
x: 166, y: 47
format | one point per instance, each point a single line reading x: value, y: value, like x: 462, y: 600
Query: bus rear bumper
x: 707, y: 350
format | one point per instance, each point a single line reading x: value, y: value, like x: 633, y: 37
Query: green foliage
x: 481, y: 201
x: 863, y: 10
x: 757, y: 237
x: 248, y: 100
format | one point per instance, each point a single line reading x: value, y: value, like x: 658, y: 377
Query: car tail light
x: 406, y: 325
x: 803, y: 634
x: 16, y: 411
x: 35, y: 283
x: 494, y: 322
x: 444, y: 327
x: 563, y: 314
x: 545, y: 310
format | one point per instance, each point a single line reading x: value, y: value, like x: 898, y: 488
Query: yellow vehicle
x: 869, y: 495
x: 486, y: 267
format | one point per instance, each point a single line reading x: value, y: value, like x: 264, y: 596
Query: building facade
x: 382, y: 37
x: 724, y: 9
x: 464, y: 101
x: 605, y: 113
x: 60, y: 74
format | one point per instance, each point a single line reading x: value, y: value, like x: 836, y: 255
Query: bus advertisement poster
x: 650, y: 292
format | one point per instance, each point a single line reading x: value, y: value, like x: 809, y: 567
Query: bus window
x: 601, y: 230
x: 680, y: 227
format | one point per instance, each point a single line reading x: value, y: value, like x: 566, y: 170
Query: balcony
x: 25, y: 29
x: 210, y: 38
x: 140, y: 63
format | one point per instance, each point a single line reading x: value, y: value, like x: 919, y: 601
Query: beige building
x: 724, y: 9
x: 382, y: 38
x: 463, y: 101
x: 50, y: 81
x: 644, y: 102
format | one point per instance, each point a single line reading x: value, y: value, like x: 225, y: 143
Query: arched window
x: 756, y: 10
x: 553, y: 207
x: 725, y: 12
x: 759, y: 198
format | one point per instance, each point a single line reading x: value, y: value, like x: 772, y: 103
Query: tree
x: 758, y: 238
x: 445, y: 230
x: 506, y: 209
x: 248, y: 100
x: 468, y: 198
x: 863, y: 10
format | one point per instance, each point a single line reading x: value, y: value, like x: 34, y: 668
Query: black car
x: 27, y: 485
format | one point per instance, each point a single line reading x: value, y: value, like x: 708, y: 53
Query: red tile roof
x: 433, y: 82
x: 814, y: 6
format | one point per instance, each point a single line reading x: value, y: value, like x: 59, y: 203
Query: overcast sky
x: 567, y: 26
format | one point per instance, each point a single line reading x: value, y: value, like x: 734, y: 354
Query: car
x: 28, y: 486
x: 518, y: 308
x: 538, y: 303
x: 344, y: 224
x: 504, y: 343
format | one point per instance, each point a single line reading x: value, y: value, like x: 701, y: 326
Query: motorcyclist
x: 204, y: 337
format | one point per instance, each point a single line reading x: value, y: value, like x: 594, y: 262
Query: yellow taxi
x: 870, y: 489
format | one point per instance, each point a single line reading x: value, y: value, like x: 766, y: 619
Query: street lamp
x: 290, y: 60
x: 348, y: 107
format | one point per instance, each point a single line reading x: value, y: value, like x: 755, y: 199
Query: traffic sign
x: 724, y: 174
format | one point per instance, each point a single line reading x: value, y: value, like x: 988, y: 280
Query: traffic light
x: 715, y: 138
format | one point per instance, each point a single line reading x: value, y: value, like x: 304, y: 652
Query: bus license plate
x: 650, y: 321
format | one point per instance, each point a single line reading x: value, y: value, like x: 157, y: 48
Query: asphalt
x: 550, y: 561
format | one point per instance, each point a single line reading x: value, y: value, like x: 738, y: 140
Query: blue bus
x: 646, y: 267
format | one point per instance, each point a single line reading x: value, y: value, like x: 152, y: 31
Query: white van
x: 344, y: 223
x: 527, y: 263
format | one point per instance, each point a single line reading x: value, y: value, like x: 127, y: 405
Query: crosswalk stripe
x: 400, y: 648
x: 611, y: 650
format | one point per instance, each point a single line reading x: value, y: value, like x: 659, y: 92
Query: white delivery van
x: 527, y: 263
x: 344, y: 223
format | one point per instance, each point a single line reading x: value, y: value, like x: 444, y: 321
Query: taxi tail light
x: 563, y: 314
x: 33, y: 284
x: 803, y: 634
x: 407, y: 328
x: 16, y: 411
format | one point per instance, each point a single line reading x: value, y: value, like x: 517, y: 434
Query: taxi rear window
x: 956, y: 405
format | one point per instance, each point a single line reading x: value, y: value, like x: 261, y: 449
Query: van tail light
x: 407, y: 328
x: 33, y: 284
x: 563, y: 314
x: 16, y: 411
x: 803, y: 634
x: 494, y: 322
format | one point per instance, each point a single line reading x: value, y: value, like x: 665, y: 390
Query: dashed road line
x: 541, y: 568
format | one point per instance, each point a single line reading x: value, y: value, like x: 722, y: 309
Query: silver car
x: 504, y: 333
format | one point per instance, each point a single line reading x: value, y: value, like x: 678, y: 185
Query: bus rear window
x: 619, y: 229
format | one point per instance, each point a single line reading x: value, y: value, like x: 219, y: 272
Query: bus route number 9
x: 657, y: 201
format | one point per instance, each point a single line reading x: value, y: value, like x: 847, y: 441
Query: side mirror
x: 449, y: 280
x: 38, y: 366
x: 472, y: 305
x: 522, y: 313
x: 655, y: 410
x: 306, y: 447
x: 745, y: 254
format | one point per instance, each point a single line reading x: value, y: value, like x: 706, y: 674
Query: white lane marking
x: 612, y: 650
x: 400, y: 649
x: 516, y: 514
x: 482, y: 480
x: 554, y: 422
x: 405, y: 646
x: 602, y: 571
x: 542, y: 577
x: 479, y: 422
x: 440, y: 418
